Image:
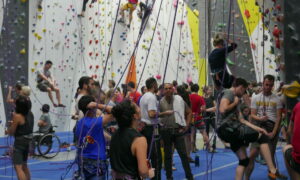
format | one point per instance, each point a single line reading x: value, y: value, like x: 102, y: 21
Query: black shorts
x: 237, y: 134
x: 21, y: 150
x: 291, y: 161
x: 223, y: 79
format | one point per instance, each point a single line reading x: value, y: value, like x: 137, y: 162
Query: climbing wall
x: 54, y: 35
x: 263, y: 21
x: 291, y: 44
x: 79, y: 46
x: 14, y: 50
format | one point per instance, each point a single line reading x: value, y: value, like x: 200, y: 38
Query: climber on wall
x: 47, y: 84
x: 84, y: 7
x: 131, y: 6
x: 217, y: 62
x: 145, y: 9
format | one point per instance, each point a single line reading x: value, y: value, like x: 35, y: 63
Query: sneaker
x: 61, y: 105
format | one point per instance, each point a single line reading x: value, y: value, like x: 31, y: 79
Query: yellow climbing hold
x: 23, y: 51
x: 32, y: 69
x: 196, y: 12
x: 113, y: 74
x: 39, y: 37
x: 35, y: 63
x: 44, y: 30
x: 39, y: 16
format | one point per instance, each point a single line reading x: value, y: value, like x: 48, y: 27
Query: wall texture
x: 292, y: 45
x: 14, y: 50
x: 79, y: 46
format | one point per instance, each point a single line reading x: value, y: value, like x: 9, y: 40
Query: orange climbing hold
x: 247, y: 13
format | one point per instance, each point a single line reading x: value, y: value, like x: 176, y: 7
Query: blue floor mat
x: 223, y: 166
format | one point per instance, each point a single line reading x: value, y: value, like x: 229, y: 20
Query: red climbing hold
x: 247, y: 13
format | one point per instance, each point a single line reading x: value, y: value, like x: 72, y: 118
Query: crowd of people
x: 142, y: 130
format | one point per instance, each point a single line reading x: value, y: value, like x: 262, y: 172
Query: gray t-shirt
x: 46, y: 73
x: 46, y: 118
x: 266, y: 105
x: 233, y: 113
x: 148, y: 102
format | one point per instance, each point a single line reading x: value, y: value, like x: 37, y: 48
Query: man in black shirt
x: 217, y: 62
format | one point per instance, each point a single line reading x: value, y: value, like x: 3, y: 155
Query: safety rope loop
x: 148, y: 50
x: 180, y: 37
x: 110, y: 45
x: 227, y: 41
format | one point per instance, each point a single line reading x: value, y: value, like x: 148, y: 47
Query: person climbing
x: 47, y: 84
x: 84, y: 7
x: 145, y: 10
x: 131, y: 6
x: 217, y: 62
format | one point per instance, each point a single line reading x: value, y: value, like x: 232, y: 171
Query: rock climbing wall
x: 13, y: 50
x: 55, y: 35
x: 291, y: 44
x: 79, y: 46
x: 263, y: 21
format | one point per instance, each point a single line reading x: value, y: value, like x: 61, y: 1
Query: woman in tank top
x: 21, y: 127
x: 128, y: 148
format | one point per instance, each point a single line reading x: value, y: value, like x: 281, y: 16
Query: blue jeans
x: 92, y: 169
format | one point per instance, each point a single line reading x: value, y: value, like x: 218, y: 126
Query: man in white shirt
x: 266, y: 109
x: 149, y: 113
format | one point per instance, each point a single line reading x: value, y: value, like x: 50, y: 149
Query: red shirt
x: 135, y: 96
x: 296, y: 133
x: 133, y: 1
x: 197, y: 101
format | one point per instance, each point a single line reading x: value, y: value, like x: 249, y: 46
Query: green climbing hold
x: 229, y: 61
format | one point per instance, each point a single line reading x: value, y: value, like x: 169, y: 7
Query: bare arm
x: 247, y: 123
x: 257, y: 118
x: 17, y: 118
x: 139, y: 150
x: 225, y: 105
x: 277, y: 123
x: 212, y: 109
x: 289, y: 133
x: 9, y: 99
x: 188, y: 115
x: 152, y: 113
x: 107, y: 118
x: 99, y: 106
x: 42, y: 123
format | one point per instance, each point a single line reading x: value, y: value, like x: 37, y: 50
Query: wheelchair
x: 46, y: 145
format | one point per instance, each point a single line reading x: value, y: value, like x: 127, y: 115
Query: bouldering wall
x: 13, y: 51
